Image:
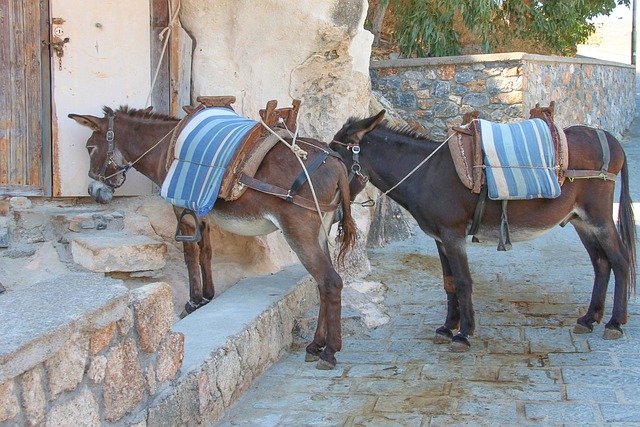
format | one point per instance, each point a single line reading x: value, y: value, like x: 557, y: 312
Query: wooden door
x: 24, y: 71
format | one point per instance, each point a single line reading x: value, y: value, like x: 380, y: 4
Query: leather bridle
x: 356, y: 169
x: 110, y: 161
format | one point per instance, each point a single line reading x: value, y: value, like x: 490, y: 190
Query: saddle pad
x: 519, y: 160
x: 202, y: 152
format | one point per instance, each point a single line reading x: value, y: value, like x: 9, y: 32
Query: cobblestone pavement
x: 526, y: 366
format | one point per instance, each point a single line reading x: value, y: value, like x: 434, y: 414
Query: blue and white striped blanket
x: 519, y: 160
x: 203, y: 151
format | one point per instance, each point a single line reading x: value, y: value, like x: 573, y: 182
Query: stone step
x: 108, y: 252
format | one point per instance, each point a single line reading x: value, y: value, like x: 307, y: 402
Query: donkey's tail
x: 347, y: 230
x: 627, y: 225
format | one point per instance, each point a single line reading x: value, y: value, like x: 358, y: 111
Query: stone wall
x: 433, y: 93
x: 81, y: 349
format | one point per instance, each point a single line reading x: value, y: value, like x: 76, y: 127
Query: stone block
x: 109, y: 252
x: 153, y: 311
x: 170, y: 356
x: 97, y: 369
x: 9, y: 406
x: 33, y: 396
x: 102, y: 338
x: 124, y: 381
x: 82, y: 410
x: 66, y: 368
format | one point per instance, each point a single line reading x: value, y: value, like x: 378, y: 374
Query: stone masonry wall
x: 93, y: 353
x: 433, y: 93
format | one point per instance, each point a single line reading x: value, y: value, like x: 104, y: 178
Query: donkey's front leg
x: 192, y: 260
x: 206, y: 254
x: 456, y: 254
x: 444, y: 333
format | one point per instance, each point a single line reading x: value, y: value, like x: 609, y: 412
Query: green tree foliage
x: 432, y: 27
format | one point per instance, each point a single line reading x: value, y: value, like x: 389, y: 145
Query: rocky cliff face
x: 316, y: 51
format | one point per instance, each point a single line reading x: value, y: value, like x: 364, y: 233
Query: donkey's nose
x: 100, y: 192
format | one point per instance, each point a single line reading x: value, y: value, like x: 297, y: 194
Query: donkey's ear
x: 91, y: 122
x: 148, y: 109
x: 363, y: 127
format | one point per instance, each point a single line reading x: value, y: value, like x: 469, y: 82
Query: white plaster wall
x: 313, y: 50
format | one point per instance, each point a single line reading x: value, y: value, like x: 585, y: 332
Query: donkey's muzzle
x: 100, y: 192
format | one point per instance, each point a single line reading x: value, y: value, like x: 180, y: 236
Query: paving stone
x: 530, y: 375
x: 319, y: 419
x: 581, y: 393
x: 506, y: 391
x: 385, y: 371
x: 599, y: 375
x: 388, y: 420
x: 416, y: 404
x: 630, y: 394
x: 546, y: 340
x: 595, y: 358
x: 401, y: 387
x: 560, y: 412
x: 488, y: 409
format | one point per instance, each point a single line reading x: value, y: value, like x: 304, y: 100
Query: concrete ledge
x: 36, y: 320
x: 231, y: 341
x: 492, y: 57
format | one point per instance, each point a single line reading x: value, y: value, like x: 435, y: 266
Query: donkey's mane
x: 139, y: 113
x: 406, y: 131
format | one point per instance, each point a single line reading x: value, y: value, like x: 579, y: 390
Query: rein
x: 121, y: 169
x: 356, y: 169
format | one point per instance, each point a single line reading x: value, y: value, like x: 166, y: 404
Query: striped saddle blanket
x: 202, y: 153
x: 519, y: 160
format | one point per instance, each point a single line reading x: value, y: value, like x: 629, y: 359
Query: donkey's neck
x: 146, y: 144
x: 388, y: 156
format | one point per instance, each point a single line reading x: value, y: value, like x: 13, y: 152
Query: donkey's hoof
x: 308, y: 357
x: 443, y: 336
x: 324, y: 365
x: 611, y: 334
x: 579, y: 328
x: 460, y: 344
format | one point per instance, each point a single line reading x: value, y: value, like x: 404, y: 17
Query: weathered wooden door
x: 24, y: 98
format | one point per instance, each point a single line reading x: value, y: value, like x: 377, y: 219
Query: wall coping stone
x: 210, y: 328
x: 37, y: 320
x: 491, y: 57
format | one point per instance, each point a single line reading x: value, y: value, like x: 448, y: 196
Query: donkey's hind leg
x: 605, y: 249
x: 602, y: 274
x: 314, y: 255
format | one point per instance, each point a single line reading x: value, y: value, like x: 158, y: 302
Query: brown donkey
x: 139, y: 136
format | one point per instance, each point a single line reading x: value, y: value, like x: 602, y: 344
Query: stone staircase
x: 89, y: 237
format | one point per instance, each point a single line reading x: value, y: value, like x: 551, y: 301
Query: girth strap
x: 302, y: 178
x: 477, y: 214
x: 280, y: 192
x: 606, y: 155
x: 504, y: 243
